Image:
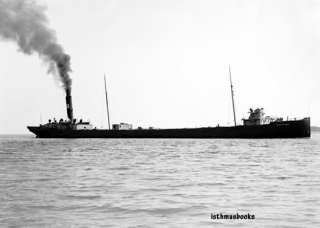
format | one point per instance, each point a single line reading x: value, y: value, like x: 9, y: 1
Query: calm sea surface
x: 158, y: 183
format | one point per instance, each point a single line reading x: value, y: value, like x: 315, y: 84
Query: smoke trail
x: 24, y: 22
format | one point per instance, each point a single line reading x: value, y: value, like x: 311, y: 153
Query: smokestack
x: 25, y: 23
x: 69, y: 104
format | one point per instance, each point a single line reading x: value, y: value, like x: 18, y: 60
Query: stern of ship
x: 34, y: 130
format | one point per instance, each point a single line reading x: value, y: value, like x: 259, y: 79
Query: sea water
x: 159, y: 182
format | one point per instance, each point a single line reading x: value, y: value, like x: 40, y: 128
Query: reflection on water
x: 158, y: 183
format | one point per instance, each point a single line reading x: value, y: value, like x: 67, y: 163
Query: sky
x: 166, y: 63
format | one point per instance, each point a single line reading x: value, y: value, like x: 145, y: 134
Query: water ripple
x: 158, y: 183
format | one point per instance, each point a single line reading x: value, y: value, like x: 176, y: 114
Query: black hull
x: 283, y: 129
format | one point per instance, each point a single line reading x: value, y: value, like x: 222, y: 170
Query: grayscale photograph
x: 160, y: 113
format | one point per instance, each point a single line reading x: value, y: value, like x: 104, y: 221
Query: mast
x: 105, y: 88
x: 232, y: 97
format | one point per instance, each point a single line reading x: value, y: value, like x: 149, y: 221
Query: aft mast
x: 105, y: 88
x: 232, y: 97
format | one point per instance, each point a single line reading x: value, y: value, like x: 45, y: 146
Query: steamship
x: 257, y: 125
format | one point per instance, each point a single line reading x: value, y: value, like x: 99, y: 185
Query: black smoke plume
x: 24, y: 22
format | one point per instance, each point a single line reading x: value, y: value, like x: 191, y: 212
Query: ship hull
x: 283, y: 129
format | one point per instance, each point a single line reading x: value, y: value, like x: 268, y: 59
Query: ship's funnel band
x: 69, y: 104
